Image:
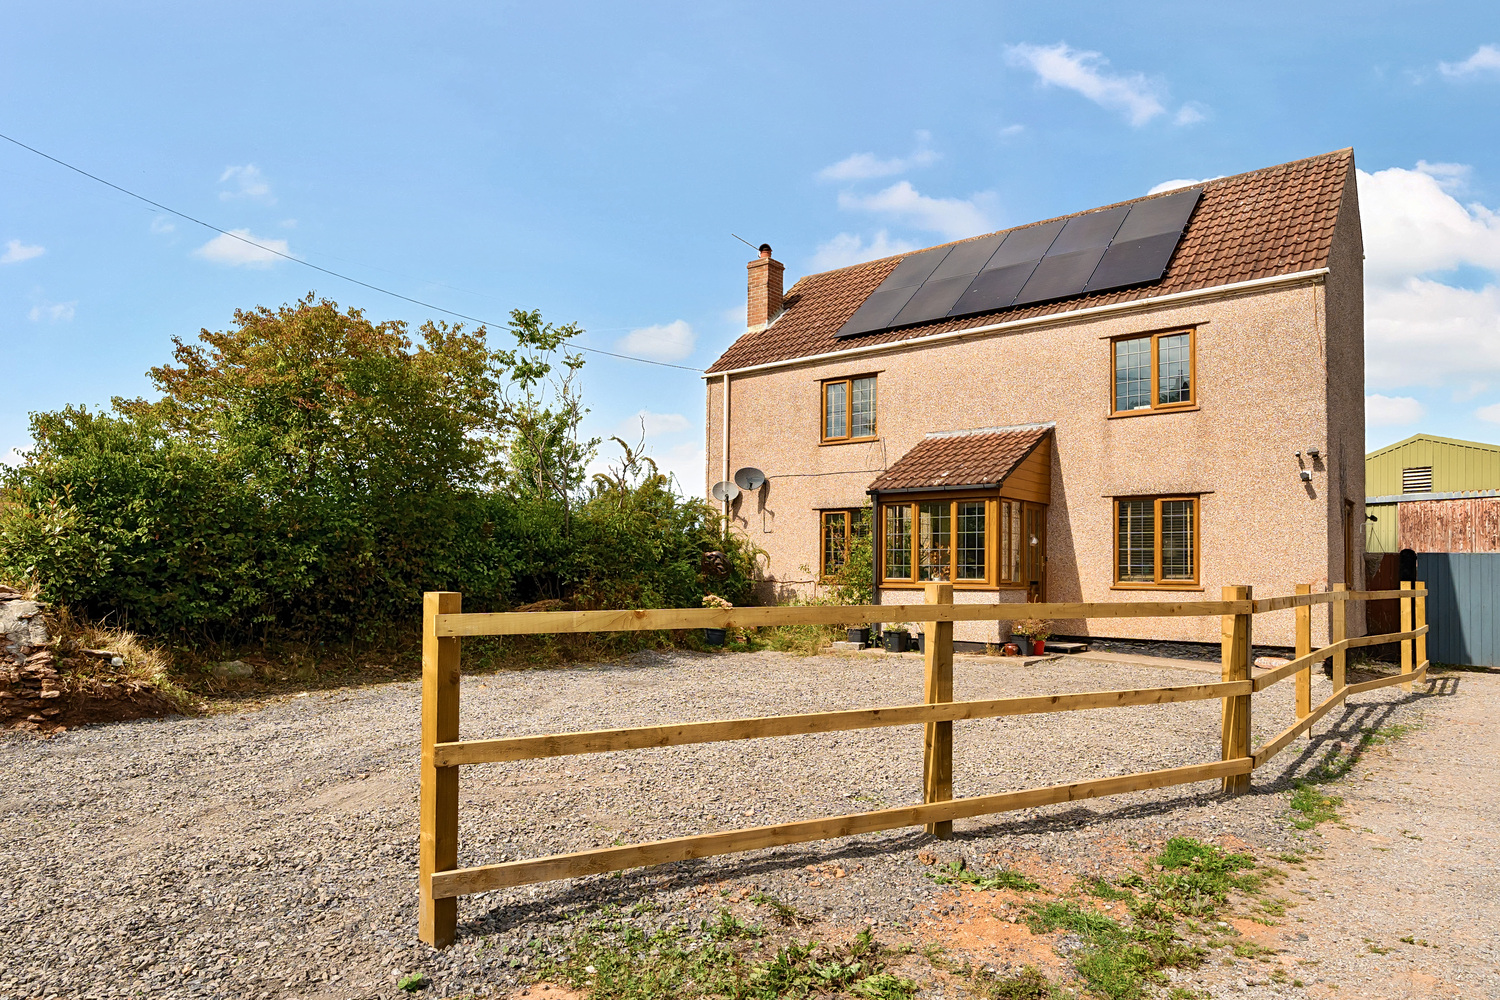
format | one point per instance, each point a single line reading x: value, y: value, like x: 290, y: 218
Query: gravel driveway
x: 273, y: 853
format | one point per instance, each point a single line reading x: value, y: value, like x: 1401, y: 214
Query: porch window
x: 1154, y: 372
x: 976, y: 541
x: 1156, y: 541
x: 849, y: 409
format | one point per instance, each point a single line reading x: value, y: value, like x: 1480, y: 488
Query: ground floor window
x: 839, y: 529
x: 980, y: 541
x: 1156, y: 541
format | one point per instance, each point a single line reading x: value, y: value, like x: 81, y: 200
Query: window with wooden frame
x: 849, y: 409
x: 838, y: 530
x: 1154, y: 372
x: 1156, y: 542
x: 968, y: 541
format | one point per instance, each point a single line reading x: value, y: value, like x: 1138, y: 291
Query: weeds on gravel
x: 786, y: 914
x: 1028, y: 984
x: 1314, y: 806
x: 615, y: 961
x: 411, y: 983
x: 954, y: 873
x: 1100, y: 888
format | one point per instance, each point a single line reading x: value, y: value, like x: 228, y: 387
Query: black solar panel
x: 1110, y: 248
x: 968, y: 258
x: 877, y: 311
x: 994, y: 288
x: 1060, y: 276
x: 933, y: 300
x: 1026, y: 244
x: 1084, y: 232
x: 1134, y: 262
x: 1167, y: 214
x: 915, y: 269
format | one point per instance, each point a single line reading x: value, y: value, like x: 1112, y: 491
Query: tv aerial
x: 749, y: 479
x: 724, y: 491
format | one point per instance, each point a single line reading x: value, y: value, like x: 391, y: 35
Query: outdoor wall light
x: 1313, y: 453
x: 1307, y: 475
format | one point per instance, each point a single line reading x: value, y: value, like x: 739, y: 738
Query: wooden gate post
x: 937, y: 756
x: 1235, y: 662
x: 1406, y: 644
x: 1421, y: 602
x: 1338, y: 631
x: 1304, y: 646
x: 437, y: 919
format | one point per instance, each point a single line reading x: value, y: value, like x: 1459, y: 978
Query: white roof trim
x: 992, y: 430
x: 1020, y: 324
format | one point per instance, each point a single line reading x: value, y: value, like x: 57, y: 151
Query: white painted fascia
x: 1174, y: 298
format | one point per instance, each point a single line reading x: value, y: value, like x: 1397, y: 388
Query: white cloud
x: 1182, y: 182
x: 53, y: 312
x: 1486, y: 59
x: 847, y: 248
x: 863, y: 166
x: 161, y: 224
x: 231, y: 248
x: 16, y: 251
x: 1011, y: 130
x: 1086, y: 73
x: 1191, y: 113
x: 1423, y: 332
x: 1414, y: 225
x: 1392, y: 411
x: 954, y: 218
x: 1489, y: 413
x: 246, y: 182
x: 652, y: 425
x: 15, y: 458
x: 664, y: 342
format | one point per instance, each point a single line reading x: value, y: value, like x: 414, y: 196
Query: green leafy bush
x: 308, y: 473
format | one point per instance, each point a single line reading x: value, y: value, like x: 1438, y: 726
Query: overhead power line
x: 305, y: 263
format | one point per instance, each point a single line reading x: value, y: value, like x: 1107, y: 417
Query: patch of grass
x: 1314, y: 806
x: 785, y: 914
x: 615, y: 961
x: 1117, y: 962
x: 1100, y: 888
x: 1003, y: 878
x: 1028, y: 984
x: 1196, y: 878
x: 1249, y: 949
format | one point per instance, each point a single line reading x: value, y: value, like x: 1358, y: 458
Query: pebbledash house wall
x: 1278, y: 369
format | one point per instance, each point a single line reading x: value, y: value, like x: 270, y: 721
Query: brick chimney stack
x: 765, y: 289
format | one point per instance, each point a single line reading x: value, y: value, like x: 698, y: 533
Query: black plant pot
x: 895, y: 642
x: 921, y: 642
x: 859, y: 635
x: 714, y: 636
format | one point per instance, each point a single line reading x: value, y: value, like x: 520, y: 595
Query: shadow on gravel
x: 1335, y: 752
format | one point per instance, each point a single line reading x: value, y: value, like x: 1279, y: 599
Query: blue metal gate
x: 1463, y: 606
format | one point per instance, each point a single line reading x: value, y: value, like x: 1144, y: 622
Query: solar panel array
x: 1093, y: 252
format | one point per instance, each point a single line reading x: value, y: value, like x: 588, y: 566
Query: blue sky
x: 591, y: 161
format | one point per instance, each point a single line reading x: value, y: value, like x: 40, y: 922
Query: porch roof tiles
x: 983, y: 456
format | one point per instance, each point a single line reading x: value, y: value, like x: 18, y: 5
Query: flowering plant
x: 1036, y: 629
x: 715, y: 601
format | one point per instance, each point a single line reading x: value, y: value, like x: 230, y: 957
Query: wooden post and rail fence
x: 443, y: 753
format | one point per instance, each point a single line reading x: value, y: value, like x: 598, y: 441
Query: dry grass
x: 81, y: 642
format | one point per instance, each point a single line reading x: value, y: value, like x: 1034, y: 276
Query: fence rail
x: 442, y: 881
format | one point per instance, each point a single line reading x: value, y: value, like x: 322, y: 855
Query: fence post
x: 1338, y: 631
x: 1406, y: 644
x: 1235, y: 662
x: 1421, y: 601
x: 937, y: 756
x: 437, y: 919
x: 1304, y: 646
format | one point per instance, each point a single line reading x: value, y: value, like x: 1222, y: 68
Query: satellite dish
x: 749, y: 479
x: 725, y: 491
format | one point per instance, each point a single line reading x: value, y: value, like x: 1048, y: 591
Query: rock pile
x: 37, y: 694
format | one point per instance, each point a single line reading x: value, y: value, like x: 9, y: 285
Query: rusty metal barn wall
x: 1457, y: 525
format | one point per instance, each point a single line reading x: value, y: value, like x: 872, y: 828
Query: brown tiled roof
x: 981, y: 457
x: 1274, y: 221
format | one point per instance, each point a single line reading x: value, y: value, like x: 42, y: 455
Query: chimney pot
x: 765, y: 292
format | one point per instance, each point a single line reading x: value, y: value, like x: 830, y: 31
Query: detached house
x: 1144, y: 401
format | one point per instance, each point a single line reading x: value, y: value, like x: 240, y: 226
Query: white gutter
x: 1021, y: 324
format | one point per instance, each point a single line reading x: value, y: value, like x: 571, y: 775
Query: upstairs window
x: 1154, y: 372
x: 849, y: 409
x: 1156, y: 542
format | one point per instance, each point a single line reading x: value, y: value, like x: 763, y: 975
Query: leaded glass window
x: 1133, y: 374
x: 935, y: 537
x: 1154, y: 372
x: 849, y: 409
x: 897, y: 560
x: 969, y: 561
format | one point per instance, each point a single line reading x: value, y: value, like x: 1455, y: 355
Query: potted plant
x: 1035, y: 631
x: 858, y: 633
x: 715, y: 636
x: 896, y: 637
